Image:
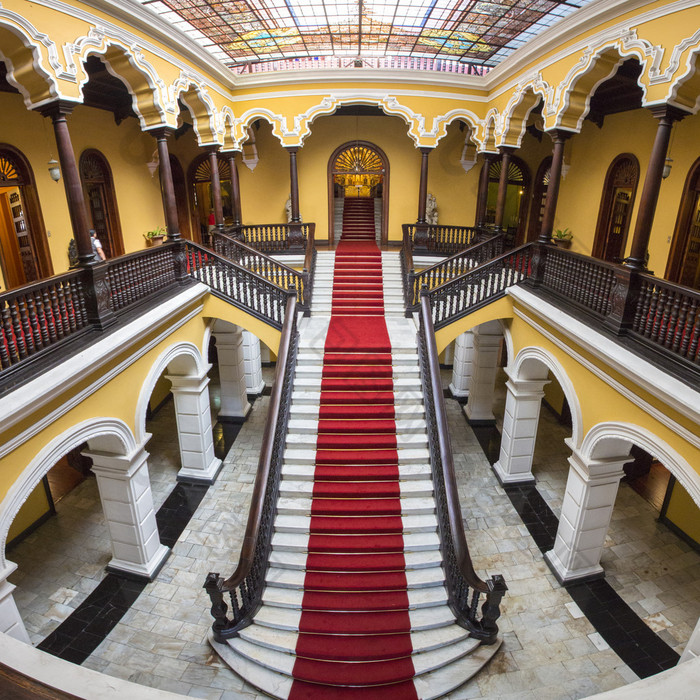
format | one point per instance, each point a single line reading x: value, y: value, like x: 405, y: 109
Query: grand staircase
x: 355, y: 604
x: 358, y: 219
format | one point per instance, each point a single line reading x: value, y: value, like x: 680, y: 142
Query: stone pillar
x: 692, y: 648
x: 585, y: 517
x: 127, y: 503
x: 520, y: 421
x: 10, y: 620
x: 462, y: 365
x: 194, y: 430
x: 231, y: 353
x: 252, y: 355
x: 487, y: 342
x: 448, y: 355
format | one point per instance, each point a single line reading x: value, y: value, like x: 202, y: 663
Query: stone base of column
x: 224, y: 418
x: 476, y: 418
x: 459, y: 394
x: 506, y: 479
x: 255, y: 391
x: 10, y: 620
x: 564, y: 576
x: 201, y: 476
x: 140, y: 572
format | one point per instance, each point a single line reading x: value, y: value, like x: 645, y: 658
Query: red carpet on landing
x: 355, y: 604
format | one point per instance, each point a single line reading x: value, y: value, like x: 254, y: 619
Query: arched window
x: 199, y: 177
x: 96, y: 178
x: 24, y: 252
x: 684, y: 259
x: 616, y: 208
x: 539, y: 199
x: 517, y: 191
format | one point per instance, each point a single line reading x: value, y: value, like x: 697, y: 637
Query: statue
x: 288, y: 209
x: 431, y: 214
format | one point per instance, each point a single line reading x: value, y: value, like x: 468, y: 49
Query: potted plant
x: 155, y: 236
x: 562, y: 237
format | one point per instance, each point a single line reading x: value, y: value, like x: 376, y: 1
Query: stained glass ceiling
x: 247, y: 32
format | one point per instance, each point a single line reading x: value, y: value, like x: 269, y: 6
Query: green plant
x: 158, y: 231
x: 562, y: 234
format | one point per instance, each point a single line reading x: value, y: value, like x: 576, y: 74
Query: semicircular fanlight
x: 8, y: 172
x: 515, y: 174
x: 203, y: 172
x: 358, y: 159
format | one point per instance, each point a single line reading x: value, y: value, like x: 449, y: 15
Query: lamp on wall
x: 54, y: 170
x: 667, y: 168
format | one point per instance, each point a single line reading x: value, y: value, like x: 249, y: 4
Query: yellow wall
x: 683, y: 512
x: 36, y: 506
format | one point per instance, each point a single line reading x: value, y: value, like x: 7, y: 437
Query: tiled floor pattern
x: 550, y: 649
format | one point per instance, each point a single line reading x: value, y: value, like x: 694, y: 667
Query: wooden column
x: 58, y: 111
x: 423, y: 187
x: 216, y: 187
x: 483, y: 196
x: 666, y: 115
x: 294, y: 184
x: 166, y: 183
x: 97, y: 292
x: 235, y: 189
x: 506, y: 152
x: 559, y: 137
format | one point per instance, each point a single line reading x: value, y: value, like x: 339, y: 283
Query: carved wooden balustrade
x: 275, y: 239
x: 244, y: 589
x: 40, y: 316
x: 267, y: 267
x: 464, y: 587
x: 436, y: 239
x: 447, y: 269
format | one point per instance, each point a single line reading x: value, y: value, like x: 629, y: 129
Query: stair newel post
x: 491, y: 609
x: 420, y: 237
x: 305, y: 301
x: 212, y: 585
x: 98, y: 304
x: 295, y: 236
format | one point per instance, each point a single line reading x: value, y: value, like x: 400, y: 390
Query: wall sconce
x: 667, y: 168
x: 54, y: 170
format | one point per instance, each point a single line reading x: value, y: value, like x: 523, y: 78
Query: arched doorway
x: 199, y: 179
x: 24, y: 252
x: 358, y: 170
x: 180, y: 187
x: 616, y: 208
x: 539, y: 199
x: 684, y: 260
x: 517, y: 191
x: 96, y: 178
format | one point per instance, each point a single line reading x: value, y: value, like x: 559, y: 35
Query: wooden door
x: 684, y: 259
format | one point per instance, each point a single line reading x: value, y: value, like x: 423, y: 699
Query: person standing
x: 96, y: 246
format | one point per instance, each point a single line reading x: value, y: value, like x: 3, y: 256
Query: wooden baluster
x: 687, y: 333
x: 64, y: 310
x: 17, y: 330
x: 651, y: 303
x: 41, y: 317
x: 6, y: 343
x: 56, y: 313
x: 672, y: 325
x: 689, y: 344
x: 70, y: 307
x: 26, y: 328
x: 659, y: 316
x: 34, y: 318
x: 48, y: 314
x: 680, y: 329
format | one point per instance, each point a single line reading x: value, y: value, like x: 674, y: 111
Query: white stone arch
x: 21, y: 46
x: 207, y: 125
x: 516, y: 113
x: 181, y: 358
x: 489, y: 131
x: 227, y: 121
x: 623, y: 435
x: 522, y: 368
x: 108, y: 435
x: 241, y: 125
x: 684, y: 91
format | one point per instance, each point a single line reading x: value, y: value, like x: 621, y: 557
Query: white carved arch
x: 534, y: 86
x: 687, y: 77
x: 109, y: 435
x: 593, y: 446
x: 181, y: 358
x: 208, y: 126
x: 521, y: 368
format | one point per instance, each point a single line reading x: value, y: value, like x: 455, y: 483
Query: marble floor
x: 550, y: 648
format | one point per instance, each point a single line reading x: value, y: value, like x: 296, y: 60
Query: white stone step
x: 305, y: 472
x: 297, y: 560
x: 302, y: 523
x: 294, y: 542
x: 402, y: 371
x: 301, y: 505
x: 403, y: 426
x: 292, y: 578
x: 397, y: 358
x: 303, y: 383
x: 303, y: 488
x: 307, y: 440
x: 401, y: 412
x: 299, y: 455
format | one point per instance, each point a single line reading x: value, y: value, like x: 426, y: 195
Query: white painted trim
x: 651, y: 379
x: 30, y: 397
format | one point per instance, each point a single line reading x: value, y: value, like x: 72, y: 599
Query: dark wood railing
x: 245, y: 586
x: 447, y: 269
x: 481, y: 285
x: 40, y: 316
x: 267, y: 267
x: 237, y: 285
x: 464, y: 587
x: 436, y: 239
x: 275, y: 239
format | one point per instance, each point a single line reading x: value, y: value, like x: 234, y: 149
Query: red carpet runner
x: 354, y: 633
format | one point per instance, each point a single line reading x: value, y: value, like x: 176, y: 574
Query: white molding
x: 23, y: 402
x: 651, y: 379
